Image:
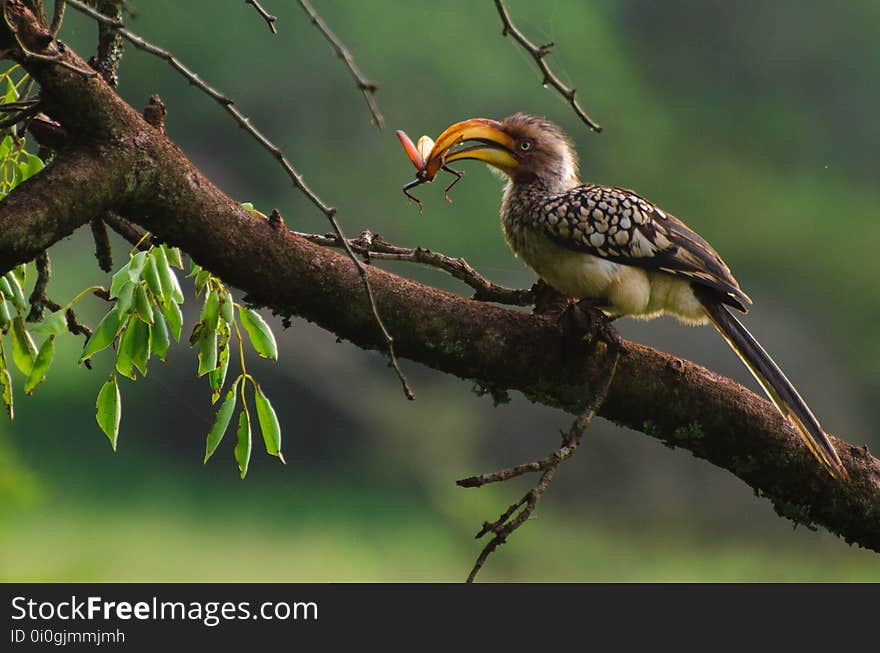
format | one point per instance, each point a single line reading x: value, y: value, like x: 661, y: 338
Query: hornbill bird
x: 612, y: 247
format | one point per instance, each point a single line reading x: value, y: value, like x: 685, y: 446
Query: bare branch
x: 131, y: 232
x: 539, y: 53
x: 504, y: 526
x: 57, y: 16
x: 298, y: 181
x: 37, y: 299
x: 367, y: 87
x: 375, y: 247
x: 103, y: 253
x: 265, y: 15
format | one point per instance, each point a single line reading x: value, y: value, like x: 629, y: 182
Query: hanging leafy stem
x: 16, y: 339
x: 212, y: 337
x: 144, y: 317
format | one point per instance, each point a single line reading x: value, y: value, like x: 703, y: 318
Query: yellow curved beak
x: 496, y: 146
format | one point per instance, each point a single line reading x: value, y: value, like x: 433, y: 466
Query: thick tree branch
x: 126, y: 165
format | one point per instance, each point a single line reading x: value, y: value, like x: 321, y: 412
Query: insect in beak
x: 426, y: 168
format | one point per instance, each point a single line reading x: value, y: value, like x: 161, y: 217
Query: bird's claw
x: 586, y: 322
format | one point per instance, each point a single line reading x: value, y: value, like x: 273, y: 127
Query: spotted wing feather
x: 619, y: 225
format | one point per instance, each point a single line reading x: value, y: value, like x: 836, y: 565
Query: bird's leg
x: 581, y: 320
x: 549, y: 301
x: 413, y: 184
x: 586, y: 321
x: 458, y: 175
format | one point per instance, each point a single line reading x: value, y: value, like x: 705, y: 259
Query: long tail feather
x: 775, y: 384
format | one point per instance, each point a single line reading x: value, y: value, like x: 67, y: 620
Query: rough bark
x: 116, y: 161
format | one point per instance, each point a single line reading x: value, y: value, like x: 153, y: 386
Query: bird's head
x: 527, y: 148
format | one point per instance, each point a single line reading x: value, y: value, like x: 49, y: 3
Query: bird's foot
x: 549, y: 301
x: 585, y: 321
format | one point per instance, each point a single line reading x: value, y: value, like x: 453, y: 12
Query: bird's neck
x: 522, y: 197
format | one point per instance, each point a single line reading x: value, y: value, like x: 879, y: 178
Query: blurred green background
x: 754, y: 121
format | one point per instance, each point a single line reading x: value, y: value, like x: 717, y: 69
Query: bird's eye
x: 525, y: 146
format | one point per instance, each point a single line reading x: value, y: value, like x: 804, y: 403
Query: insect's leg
x: 458, y: 175
x: 413, y: 184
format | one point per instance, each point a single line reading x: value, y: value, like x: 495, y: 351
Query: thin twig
x: 511, y: 520
x: 16, y: 118
x: 37, y: 7
x: 539, y: 52
x: 298, y: 181
x: 9, y: 107
x: 57, y: 16
x: 131, y: 232
x: 37, y: 299
x: 367, y: 87
x: 269, y: 18
x: 103, y: 253
x: 375, y: 247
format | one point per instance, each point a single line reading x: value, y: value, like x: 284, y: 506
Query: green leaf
x: 151, y: 276
x: 217, y: 376
x: 260, y: 334
x: 211, y: 311
x: 127, y: 349
x: 41, y: 365
x: 109, y: 409
x: 128, y: 273
x: 173, y: 256
x: 159, y: 339
x: 11, y: 94
x: 119, y: 279
x: 136, y: 265
x: 269, y: 425
x: 20, y: 273
x: 17, y: 293
x: 249, y: 207
x: 5, y: 315
x: 142, y: 304
x: 54, y: 324
x: 35, y: 164
x: 141, y: 353
x: 226, y: 306
x: 207, y: 342
x: 170, y: 286
x: 243, y: 443
x: 194, y: 269
x: 30, y: 167
x: 6, y: 391
x: 5, y: 147
x: 104, y: 334
x: 201, y: 280
x: 196, y: 333
x: 221, y: 421
x: 24, y: 351
x: 173, y: 316
x: 6, y: 288
x: 125, y: 299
